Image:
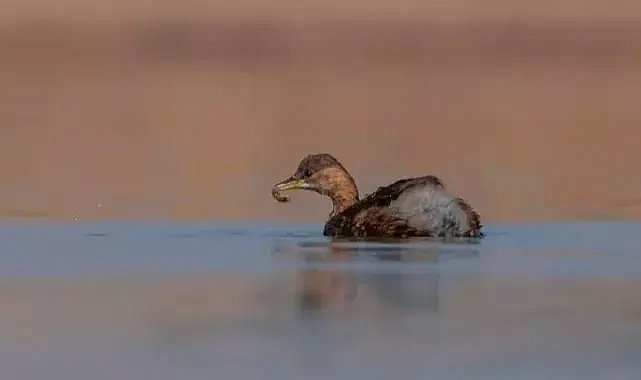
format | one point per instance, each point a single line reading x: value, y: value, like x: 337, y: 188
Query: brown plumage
x: 409, y: 207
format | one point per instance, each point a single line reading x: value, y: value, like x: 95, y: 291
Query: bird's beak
x: 291, y: 184
x: 286, y: 185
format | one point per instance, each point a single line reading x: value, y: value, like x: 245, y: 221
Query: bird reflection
x: 330, y: 277
x: 354, y: 281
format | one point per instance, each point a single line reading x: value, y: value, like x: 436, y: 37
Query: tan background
x: 531, y: 110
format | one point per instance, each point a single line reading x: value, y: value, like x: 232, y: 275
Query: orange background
x: 121, y: 109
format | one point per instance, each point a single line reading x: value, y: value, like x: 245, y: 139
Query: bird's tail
x: 473, y: 219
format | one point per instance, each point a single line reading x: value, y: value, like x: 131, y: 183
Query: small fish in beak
x: 278, y: 191
x: 280, y: 196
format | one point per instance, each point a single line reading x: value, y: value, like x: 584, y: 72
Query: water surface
x: 118, y: 300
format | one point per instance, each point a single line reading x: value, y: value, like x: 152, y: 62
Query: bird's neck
x: 344, y: 196
x: 340, y: 187
x: 341, y: 202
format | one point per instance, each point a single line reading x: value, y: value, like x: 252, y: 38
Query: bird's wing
x: 429, y: 208
x: 373, y: 215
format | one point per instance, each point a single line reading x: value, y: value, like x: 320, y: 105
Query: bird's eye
x: 307, y: 173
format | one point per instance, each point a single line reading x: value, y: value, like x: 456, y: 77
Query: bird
x: 409, y: 207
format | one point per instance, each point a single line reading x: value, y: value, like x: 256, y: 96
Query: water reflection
x: 330, y: 251
x: 312, y: 308
x: 327, y: 281
x: 392, y: 288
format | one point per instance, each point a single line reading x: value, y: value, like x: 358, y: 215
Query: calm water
x: 260, y: 301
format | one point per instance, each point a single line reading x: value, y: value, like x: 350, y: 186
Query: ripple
x: 97, y: 234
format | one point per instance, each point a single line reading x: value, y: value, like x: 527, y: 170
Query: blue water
x: 114, y: 300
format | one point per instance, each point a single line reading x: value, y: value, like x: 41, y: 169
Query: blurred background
x: 193, y: 109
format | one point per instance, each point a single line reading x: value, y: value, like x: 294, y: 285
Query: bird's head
x: 321, y: 173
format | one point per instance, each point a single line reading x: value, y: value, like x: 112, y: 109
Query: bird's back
x: 409, y: 207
